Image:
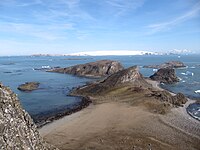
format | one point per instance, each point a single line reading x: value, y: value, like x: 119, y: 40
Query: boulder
x: 17, y: 129
x: 93, y: 69
x: 165, y: 75
x: 29, y: 86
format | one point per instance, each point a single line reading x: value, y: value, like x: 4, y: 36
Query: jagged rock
x: 170, y: 64
x: 17, y: 130
x: 93, y: 69
x: 178, y: 100
x: 29, y: 86
x: 165, y: 75
x: 127, y: 76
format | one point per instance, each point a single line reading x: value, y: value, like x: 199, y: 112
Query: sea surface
x: 52, y: 95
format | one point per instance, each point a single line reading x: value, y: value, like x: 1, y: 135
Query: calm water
x: 54, y: 87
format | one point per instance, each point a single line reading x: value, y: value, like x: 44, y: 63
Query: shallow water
x: 54, y: 87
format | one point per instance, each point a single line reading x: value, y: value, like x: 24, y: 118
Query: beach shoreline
x: 89, y: 127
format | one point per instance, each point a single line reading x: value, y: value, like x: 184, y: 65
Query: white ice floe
x: 197, y: 91
x: 155, y: 70
x: 187, y: 73
x: 46, y: 67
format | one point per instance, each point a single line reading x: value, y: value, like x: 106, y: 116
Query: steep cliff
x: 93, y: 69
x: 17, y: 130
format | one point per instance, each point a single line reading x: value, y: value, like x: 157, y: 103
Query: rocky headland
x: 128, y: 111
x: 28, y: 86
x: 17, y: 129
x: 100, y: 68
x: 170, y: 64
x: 165, y: 75
x: 131, y: 82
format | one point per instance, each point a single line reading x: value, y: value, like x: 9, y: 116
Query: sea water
x: 52, y: 95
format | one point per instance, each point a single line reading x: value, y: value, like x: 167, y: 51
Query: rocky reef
x: 165, y: 75
x: 170, y: 64
x: 17, y: 130
x: 93, y: 69
x: 29, y: 86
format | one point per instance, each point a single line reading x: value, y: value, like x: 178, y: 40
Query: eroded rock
x: 29, y: 86
x: 17, y: 129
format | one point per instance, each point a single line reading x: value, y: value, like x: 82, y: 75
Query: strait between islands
x: 128, y: 112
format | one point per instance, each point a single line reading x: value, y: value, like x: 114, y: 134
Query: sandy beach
x: 118, y: 125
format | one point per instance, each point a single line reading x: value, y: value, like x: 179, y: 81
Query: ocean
x: 52, y: 95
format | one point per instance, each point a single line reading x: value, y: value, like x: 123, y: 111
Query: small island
x: 28, y: 86
x: 97, y: 69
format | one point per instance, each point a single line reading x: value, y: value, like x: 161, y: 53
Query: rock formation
x: 127, y: 76
x: 29, y: 86
x: 170, y: 64
x: 17, y: 130
x: 178, y: 100
x: 93, y: 69
x: 165, y: 75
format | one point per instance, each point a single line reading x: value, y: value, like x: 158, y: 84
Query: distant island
x: 120, y: 53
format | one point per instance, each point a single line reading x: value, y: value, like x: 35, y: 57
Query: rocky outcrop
x: 93, y: 69
x: 17, y: 130
x: 164, y: 96
x: 170, y: 64
x: 130, y: 76
x: 165, y: 75
x: 29, y: 86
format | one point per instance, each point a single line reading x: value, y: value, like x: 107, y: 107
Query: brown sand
x: 121, y: 126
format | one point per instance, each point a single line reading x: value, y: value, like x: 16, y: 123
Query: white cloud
x: 123, y: 6
x: 171, y: 23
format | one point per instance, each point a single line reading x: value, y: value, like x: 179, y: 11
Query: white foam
x: 192, y: 67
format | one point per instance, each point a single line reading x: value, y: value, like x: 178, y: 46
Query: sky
x: 69, y: 26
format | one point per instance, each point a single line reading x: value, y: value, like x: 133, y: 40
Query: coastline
x: 42, y: 120
x: 89, y: 127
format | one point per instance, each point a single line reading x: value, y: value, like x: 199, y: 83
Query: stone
x: 170, y: 64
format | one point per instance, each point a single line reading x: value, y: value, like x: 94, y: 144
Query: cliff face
x: 165, y: 75
x: 17, y: 130
x: 94, y: 69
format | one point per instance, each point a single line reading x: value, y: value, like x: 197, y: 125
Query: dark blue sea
x: 54, y: 87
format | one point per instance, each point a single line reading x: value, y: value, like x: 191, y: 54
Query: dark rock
x: 165, y: 75
x: 17, y: 130
x: 29, y: 86
x: 127, y: 76
x: 170, y: 64
x: 93, y: 69
x: 178, y: 100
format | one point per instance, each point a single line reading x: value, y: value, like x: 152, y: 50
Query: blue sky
x: 67, y: 26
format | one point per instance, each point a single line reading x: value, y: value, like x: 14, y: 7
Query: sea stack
x: 165, y: 75
x: 17, y: 129
x: 100, y: 68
